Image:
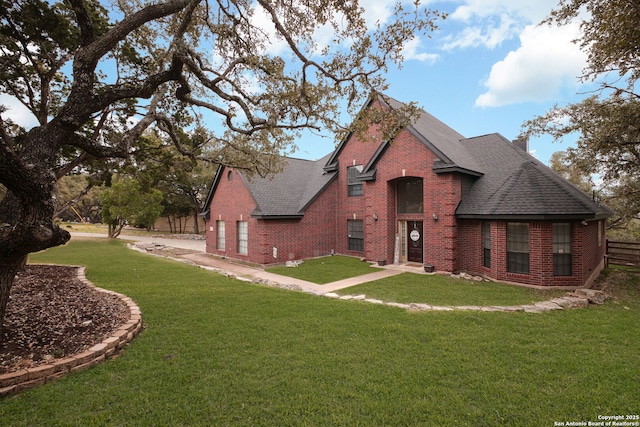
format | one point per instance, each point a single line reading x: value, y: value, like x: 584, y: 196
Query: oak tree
x: 606, y: 123
x: 97, y: 75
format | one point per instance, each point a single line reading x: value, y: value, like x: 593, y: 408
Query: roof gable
x: 282, y: 195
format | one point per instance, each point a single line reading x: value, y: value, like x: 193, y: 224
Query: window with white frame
x: 220, y: 236
x: 243, y: 237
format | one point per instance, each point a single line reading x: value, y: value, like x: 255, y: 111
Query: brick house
x: 429, y: 196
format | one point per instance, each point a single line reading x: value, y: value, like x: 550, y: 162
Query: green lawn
x: 220, y: 352
x: 326, y: 269
x: 448, y: 291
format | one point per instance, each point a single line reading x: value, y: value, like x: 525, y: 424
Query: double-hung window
x: 518, y: 247
x: 355, y: 229
x: 243, y: 237
x: 486, y: 244
x: 354, y: 187
x: 220, y: 236
x: 562, y: 259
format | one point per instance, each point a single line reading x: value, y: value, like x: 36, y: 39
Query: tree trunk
x: 8, y: 271
x: 196, y: 224
x: 26, y: 210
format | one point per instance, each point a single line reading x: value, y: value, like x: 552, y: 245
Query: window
x: 518, y: 247
x: 354, y: 187
x: 356, y: 235
x: 243, y: 237
x: 486, y: 244
x: 562, y: 260
x: 600, y: 232
x: 220, y: 230
x: 410, y: 196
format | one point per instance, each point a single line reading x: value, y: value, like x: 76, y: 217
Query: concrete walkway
x: 259, y: 274
x: 242, y: 270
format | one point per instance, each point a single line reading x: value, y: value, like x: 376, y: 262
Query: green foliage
x: 606, y: 124
x: 75, y: 193
x: 169, y: 62
x: 126, y: 203
x: 609, y: 35
x: 562, y: 165
x: 216, y: 351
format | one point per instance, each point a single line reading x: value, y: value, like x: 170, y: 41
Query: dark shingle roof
x: 287, y: 194
x: 508, y: 183
x: 516, y: 185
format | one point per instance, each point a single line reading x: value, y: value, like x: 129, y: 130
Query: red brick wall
x: 469, y: 246
x: 587, y: 255
x: 408, y: 157
x: 308, y: 237
x: 232, y: 202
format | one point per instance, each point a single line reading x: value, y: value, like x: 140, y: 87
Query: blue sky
x: 487, y: 69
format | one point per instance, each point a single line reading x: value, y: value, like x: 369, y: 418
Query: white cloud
x: 410, y: 52
x: 491, y: 36
x: 529, y: 10
x: 17, y: 112
x: 377, y: 11
x: 545, y: 62
x: 489, y: 23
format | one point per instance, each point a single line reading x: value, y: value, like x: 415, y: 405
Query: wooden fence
x: 623, y: 253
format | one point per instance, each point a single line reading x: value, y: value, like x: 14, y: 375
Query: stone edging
x: 579, y: 298
x: 15, y: 382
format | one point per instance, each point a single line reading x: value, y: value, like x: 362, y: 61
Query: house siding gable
x: 232, y: 202
x: 406, y: 156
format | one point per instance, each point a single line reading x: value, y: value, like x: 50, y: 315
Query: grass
x: 448, y: 291
x: 219, y: 352
x: 326, y: 269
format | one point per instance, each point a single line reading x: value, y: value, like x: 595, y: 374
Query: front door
x: 414, y: 241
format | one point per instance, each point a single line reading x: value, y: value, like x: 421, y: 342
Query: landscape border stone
x: 14, y: 382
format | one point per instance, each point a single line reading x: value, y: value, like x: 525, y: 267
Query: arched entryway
x: 409, y: 217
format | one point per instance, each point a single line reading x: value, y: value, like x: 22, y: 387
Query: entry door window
x: 410, y: 196
x: 414, y: 241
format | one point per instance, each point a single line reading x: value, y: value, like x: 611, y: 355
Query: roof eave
x: 282, y: 216
x: 455, y: 168
x: 536, y: 217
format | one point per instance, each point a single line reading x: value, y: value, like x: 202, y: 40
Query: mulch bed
x: 52, y: 314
